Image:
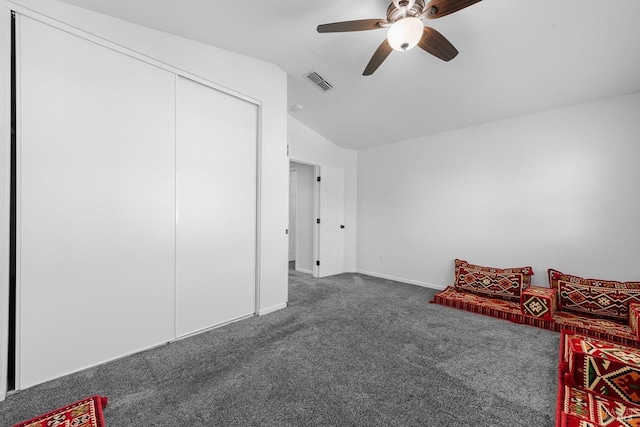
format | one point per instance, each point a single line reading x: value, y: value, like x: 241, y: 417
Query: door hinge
x: 287, y: 151
x: 318, y: 263
x: 318, y: 179
x: 318, y: 221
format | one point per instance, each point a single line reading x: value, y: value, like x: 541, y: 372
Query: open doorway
x: 301, y: 217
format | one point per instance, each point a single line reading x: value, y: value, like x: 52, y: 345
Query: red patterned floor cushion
x: 608, y: 369
x: 83, y: 413
x: 538, y: 302
x: 609, y: 329
x: 580, y: 405
x: 505, y: 283
x: 600, y: 328
x: 604, y: 298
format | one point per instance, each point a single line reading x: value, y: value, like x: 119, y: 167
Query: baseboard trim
x: 272, y: 309
x: 302, y: 270
x: 403, y: 280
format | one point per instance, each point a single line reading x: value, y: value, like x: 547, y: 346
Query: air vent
x: 319, y: 81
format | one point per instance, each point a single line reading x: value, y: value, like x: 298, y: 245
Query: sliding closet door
x: 216, y: 147
x: 96, y: 204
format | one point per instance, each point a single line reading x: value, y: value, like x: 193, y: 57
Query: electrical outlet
x: 382, y: 259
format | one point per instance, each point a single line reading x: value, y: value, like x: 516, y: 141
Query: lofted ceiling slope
x: 516, y: 58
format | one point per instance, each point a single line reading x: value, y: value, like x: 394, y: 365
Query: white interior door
x: 293, y: 209
x: 331, y: 234
x: 216, y: 145
x: 95, y: 204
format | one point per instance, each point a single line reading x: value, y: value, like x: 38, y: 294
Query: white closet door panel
x: 216, y: 200
x: 97, y: 207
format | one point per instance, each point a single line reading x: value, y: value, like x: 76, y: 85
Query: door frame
x: 5, y: 188
x: 316, y: 214
x: 316, y: 243
x: 293, y: 170
x: 316, y: 226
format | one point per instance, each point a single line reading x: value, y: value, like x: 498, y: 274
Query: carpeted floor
x: 350, y: 350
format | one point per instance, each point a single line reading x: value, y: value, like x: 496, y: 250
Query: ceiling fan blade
x: 446, y: 7
x: 437, y: 45
x: 360, y: 25
x: 378, y: 57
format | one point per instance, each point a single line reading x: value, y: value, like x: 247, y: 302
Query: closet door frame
x: 5, y: 74
x: 5, y: 188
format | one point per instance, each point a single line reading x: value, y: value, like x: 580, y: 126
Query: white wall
x: 235, y: 72
x: 305, y: 218
x: 557, y: 189
x: 308, y: 146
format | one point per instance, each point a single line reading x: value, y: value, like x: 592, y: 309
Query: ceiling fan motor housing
x: 394, y: 13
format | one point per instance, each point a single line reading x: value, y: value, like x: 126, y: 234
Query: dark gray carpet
x: 350, y: 350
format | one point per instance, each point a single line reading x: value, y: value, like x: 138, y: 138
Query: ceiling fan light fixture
x: 405, y: 33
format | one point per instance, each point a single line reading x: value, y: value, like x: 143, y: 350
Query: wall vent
x: 319, y: 81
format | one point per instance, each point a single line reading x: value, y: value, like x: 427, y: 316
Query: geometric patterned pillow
x: 603, y: 298
x: 505, y: 283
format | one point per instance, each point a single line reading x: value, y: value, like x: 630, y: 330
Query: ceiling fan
x: 404, y: 20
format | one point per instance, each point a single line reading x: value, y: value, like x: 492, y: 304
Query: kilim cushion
x: 599, y: 327
x: 84, y: 413
x: 604, y: 298
x: 580, y: 405
x: 608, y: 369
x: 538, y: 302
x: 506, y: 283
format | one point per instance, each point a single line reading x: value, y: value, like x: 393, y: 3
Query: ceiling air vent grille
x: 319, y: 81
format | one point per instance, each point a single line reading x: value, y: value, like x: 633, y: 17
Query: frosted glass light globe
x: 405, y: 33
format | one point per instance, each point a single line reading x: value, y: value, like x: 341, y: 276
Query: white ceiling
x: 516, y: 57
